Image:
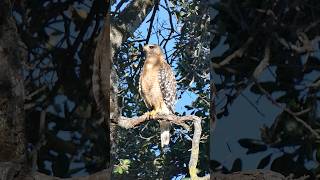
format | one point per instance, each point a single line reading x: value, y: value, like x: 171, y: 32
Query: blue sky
x: 162, y: 17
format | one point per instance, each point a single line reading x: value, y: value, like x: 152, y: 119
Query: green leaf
x: 126, y: 161
x: 118, y: 170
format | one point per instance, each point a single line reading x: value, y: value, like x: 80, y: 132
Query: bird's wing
x: 141, y: 92
x: 167, y: 82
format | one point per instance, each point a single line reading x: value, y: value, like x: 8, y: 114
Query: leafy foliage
x: 185, y: 49
x: 60, y: 40
x: 272, y: 48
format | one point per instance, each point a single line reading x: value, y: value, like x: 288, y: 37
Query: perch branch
x: 179, y: 120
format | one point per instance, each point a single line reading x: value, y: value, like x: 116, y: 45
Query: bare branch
x: 287, y: 110
x: 171, y: 25
x: 34, y: 93
x: 120, y: 4
x: 179, y: 120
x: 264, y: 63
x: 155, y: 9
x: 237, y: 53
x: 315, y: 85
x: 307, y: 45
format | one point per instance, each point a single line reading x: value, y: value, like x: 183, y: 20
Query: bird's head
x: 152, y: 50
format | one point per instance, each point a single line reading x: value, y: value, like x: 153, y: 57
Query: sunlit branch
x: 179, y: 120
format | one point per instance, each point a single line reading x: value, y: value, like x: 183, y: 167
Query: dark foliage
x: 60, y: 40
x: 272, y: 48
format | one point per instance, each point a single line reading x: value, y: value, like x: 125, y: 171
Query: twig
x: 237, y: 53
x: 36, y: 92
x: 120, y: 4
x: 252, y: 104
x: 293, y: 114
x: 315, y: 85
x: 155, y: 9
x: 84, y: 29
x: 312, y: 25
x: 264, y: 63
x: 306, y: 43
x: 171, y: 25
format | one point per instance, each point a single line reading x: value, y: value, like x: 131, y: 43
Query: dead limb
x: 179, y: 120
x: 264, y: 63
x: 238, y: 53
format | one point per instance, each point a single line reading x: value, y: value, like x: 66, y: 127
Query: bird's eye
x: 151, y: 47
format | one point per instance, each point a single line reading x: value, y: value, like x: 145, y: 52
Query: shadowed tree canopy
x: 50, y: 46
x: 271, y: 49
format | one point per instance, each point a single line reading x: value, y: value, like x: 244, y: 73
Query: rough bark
x: 12, y: 135
x: 115, y: 31
x: 104, y: 80
x: 179, y: 120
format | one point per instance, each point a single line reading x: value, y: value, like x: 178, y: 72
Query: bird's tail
x: 165, y: 133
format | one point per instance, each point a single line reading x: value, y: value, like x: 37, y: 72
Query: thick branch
x: 179, y: 120
x: 132, y: 122
x: 122, y: 26
x: 137, y: 10
x: 115, y: 31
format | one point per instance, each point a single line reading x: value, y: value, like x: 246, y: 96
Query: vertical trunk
x: 12, y: 134
x: 113, y: 34
x: 100, y: 77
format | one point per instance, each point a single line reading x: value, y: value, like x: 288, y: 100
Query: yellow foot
x: 151, y: 114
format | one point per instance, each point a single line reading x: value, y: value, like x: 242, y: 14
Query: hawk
x: 157, y: 86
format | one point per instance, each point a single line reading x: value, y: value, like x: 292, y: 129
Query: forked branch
x: 179, y: 120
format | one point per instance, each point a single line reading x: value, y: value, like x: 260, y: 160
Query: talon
x: 151, y: 114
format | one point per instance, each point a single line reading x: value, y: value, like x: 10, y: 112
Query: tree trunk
x: 114, y: 33
x: 12, y: 132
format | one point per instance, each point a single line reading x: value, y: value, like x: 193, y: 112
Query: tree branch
x: 155, y: 9
x: 235, y: 54
x: 179, y: 120
x: 287, y: 110
x: 264, y: 63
